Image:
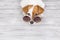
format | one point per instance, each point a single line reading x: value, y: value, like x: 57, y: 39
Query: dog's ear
x: 26, y: 8
x: 38, y: 10
x: 41, y: 10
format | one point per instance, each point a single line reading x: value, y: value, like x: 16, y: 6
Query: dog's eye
x: 37, y: 19
x: 26, y: 18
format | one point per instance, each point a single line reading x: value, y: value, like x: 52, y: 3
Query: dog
x: 32, y: 9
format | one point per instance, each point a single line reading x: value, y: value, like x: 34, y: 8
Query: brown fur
x: 26, y: 8
x: 37, y: 10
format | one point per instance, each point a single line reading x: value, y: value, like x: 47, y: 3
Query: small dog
x: 32, y: 9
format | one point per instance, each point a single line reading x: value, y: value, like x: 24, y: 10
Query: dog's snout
x: 31, y: 22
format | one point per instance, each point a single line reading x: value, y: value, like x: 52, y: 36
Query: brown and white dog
x: 32, y: 9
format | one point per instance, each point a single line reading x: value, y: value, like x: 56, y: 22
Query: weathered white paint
x: 12, y: 27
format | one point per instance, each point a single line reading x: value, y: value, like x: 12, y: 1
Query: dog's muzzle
x: 28, y: 19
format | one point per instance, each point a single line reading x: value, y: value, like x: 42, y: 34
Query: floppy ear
x: 41, y: 10
x: 37, y: 10
x: 26, y: 8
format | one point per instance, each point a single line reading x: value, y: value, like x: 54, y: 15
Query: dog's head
x: 32, y: 13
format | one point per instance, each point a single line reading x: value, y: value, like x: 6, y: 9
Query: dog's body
x: 33, y: 7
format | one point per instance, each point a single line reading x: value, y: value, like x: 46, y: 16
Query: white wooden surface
x: 12, y: 26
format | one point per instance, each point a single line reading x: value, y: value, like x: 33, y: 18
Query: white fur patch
x: 32, y: 2
x: 30, y: 11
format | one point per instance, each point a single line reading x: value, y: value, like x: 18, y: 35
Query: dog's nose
x: 31, y: 22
